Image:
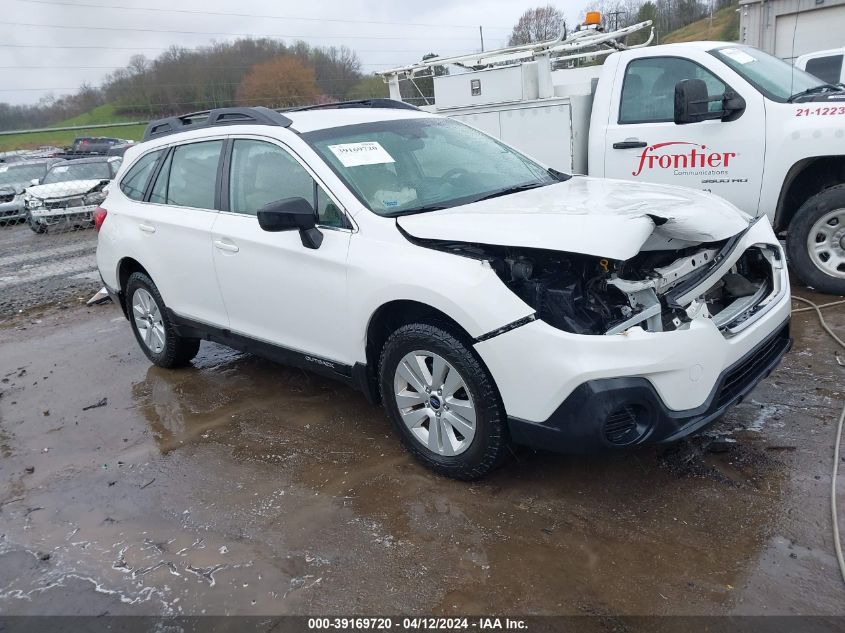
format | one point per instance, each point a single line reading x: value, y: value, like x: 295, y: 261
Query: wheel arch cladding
x: 391, y: 316
x: 806, y: 178
x: 125, y: 268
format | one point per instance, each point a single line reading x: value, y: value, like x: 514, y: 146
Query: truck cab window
x: 648, y: 91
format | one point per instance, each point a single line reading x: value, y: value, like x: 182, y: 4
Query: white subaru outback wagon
x: 481, y: 297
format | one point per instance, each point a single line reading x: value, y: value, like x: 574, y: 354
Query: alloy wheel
x: 435, y: 403
x: 148, y: 320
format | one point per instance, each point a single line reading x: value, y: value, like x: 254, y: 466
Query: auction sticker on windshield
x: 364, y: 153
x: 739, y: 56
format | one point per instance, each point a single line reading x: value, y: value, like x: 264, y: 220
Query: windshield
x: 413, y: 165
x: 773, y: 77
x: 20, y: 174
x: 78, y: 171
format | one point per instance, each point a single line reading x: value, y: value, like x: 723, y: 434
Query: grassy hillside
x: 61, y: 139
x: 99, y: 115
x: 725, y: 26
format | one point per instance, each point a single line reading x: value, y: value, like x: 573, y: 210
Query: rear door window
x: 189, y: 177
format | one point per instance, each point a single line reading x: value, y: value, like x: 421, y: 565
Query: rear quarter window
x: 134, y: 183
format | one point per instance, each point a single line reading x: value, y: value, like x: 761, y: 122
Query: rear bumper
x: 614, y: 413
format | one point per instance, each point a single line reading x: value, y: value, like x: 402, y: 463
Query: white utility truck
x: 715, y: 116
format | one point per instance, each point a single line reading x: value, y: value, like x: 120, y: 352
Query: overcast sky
x: 41, y: 40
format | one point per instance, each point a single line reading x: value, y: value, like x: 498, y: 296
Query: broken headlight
x: 568, y: 291
x: 94, y: 198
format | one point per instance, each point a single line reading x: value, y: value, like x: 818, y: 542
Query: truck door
x: 644, y: 144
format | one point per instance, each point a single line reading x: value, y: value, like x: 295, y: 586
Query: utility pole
x: 481, y: 35
x: 615, y: 15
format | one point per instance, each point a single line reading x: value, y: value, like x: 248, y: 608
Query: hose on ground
x: 837, y: 545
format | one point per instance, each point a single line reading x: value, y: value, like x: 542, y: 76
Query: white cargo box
x: 554, y: 131
x: 484, y: 87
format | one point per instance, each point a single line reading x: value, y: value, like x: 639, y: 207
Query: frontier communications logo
x: 684, y: 158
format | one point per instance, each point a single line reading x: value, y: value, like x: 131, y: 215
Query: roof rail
x: 358, y: 103
x: 258, y: 115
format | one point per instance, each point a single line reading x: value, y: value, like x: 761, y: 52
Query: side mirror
x: 34, y: 181
x: 292, y: 214
x: 692, y: 103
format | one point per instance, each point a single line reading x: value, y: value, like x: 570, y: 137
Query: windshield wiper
x: 814, y: 90
x: 509, y: 190
x: 560, y: 176
x: 423, y: 209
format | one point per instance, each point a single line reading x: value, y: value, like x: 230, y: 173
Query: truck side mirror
x: 34, y: 181
x: 692, y: 103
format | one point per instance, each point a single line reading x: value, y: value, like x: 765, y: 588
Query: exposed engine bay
x: 659, y: 290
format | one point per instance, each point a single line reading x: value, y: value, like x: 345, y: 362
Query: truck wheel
x: 153, y: 329
x: 815, y: 241
x: 443, y: 402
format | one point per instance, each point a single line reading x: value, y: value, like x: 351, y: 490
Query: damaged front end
x: 656, y: 290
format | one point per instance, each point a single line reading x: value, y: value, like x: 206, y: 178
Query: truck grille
x: 739, y: 379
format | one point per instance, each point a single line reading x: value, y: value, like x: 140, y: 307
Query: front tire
x: 36, y: 227
x: 442, y: 402
x: 815, y: 241
x: 152, y: 326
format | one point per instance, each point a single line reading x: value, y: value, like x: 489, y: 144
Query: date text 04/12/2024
x: 418, y: 623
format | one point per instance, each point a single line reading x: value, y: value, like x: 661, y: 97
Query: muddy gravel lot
x: 238, y: 486
x: 38, y: 269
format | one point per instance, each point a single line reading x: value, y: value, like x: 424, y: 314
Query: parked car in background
x: 826, y: 65
x: 69, y: 192
x: 95, y: 144
x: 120, y: 149
x: 15, y: 177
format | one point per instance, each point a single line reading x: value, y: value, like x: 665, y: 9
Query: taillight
x: 99, y: 216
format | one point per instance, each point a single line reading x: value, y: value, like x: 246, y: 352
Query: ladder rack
x: 564, y: 47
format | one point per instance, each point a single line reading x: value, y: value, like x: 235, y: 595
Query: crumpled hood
x: 592, y: 216
x: 62, y: 189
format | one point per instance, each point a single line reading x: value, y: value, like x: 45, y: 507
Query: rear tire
x: 453, y: 421
x: 152, y: 326
x: 814, y: 241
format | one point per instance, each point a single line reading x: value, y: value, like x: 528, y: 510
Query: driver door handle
x: 146, y: 228
x: 630, y: 144
x: 226, y: 246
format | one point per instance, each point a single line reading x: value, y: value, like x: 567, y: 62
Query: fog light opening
x: 626, y: 425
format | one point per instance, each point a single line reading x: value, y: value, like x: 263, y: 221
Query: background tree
x: 278, y: 83
x: 537, y: 25
x: 423, y: 93
x: 647, y: 11
x: 371, y: 87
